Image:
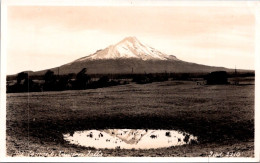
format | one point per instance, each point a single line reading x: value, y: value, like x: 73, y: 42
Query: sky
x: 42, y: 37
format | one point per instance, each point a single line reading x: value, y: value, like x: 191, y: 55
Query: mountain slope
x: 130, y: 56
x: 125, y: 66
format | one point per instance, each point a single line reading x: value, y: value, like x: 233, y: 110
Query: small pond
x: 129, y: 138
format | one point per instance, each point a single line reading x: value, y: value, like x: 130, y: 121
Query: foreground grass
x: 222, y: 117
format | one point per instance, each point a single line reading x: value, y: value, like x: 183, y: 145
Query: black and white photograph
x: 131, y: 79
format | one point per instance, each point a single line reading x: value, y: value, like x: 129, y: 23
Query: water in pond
x: 129, y: 138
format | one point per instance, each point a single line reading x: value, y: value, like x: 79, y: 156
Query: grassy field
x: 222, y: 116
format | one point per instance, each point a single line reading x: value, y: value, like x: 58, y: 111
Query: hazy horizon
x: 44, y: 37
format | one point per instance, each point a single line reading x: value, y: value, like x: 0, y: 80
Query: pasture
x: 221, y: 116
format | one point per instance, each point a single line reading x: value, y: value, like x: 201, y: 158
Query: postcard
x: 130, y: 81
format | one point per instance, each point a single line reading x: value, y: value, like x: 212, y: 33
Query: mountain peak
x: 129, y: 47
x: 130, y: 39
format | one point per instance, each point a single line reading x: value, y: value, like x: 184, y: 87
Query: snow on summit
x: 130, y: 47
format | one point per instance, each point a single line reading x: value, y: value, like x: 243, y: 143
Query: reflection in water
x: 129, y: 138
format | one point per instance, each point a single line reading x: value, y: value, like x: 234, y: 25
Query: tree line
x: 51, y: 82
x: 54, y: 82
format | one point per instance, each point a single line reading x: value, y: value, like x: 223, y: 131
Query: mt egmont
x: 130, y: 56
x: 128, y: 48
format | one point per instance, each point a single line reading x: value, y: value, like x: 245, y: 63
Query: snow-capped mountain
x: 130, y: 47
x: 130, y: 56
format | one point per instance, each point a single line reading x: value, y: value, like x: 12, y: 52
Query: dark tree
x: 63, y: 83
x: 24, y: 84
x: 82, y: 79
x: 50, y: 81
x: 21, y: 76
x: 49, y: 76
x: 217, y: 77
